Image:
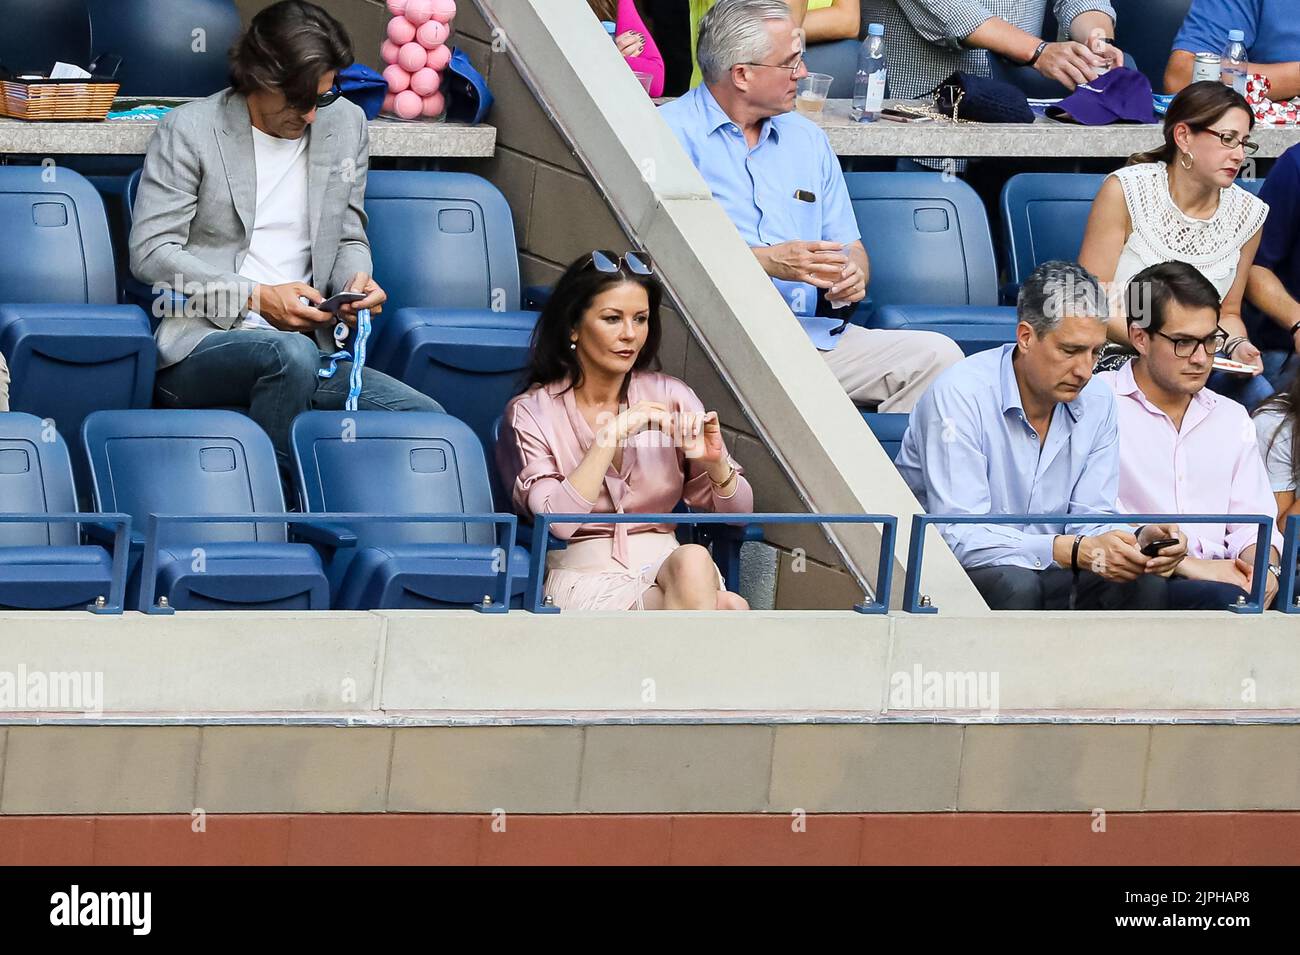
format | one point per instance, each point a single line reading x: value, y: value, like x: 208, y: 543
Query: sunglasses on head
x: 638, y: 263
x: 329, y: 96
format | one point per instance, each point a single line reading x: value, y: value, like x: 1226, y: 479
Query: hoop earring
x: 1190, y: 159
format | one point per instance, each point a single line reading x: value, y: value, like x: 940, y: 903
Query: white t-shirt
x: 1274, y: 432
x: 280, y: 250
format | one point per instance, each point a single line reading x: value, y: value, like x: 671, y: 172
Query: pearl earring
x: 573, y: 346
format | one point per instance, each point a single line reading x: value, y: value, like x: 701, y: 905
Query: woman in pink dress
x: 597, y: 432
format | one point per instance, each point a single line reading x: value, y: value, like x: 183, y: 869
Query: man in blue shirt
x: 1273, y: 294
x: 775, y: 174
x: 1272, y: 30
x: 1024, y: 429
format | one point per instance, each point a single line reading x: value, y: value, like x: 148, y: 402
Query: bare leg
x: 687, y: 580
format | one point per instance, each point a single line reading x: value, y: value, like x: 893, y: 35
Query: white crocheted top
x: 1164, y: 233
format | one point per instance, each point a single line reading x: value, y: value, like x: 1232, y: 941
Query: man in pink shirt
x: 1183, y: 448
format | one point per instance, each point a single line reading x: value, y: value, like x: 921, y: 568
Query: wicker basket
x: 57, y: 99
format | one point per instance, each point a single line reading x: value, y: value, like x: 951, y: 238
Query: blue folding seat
x: 382, y: 462
x: 71, y: 348
x: 163, y: 53
x: 43, y: 566
x: 443, y: 245
x: 196, y: 463
x: 471, y: 364
x: 1044, y: 215
x: 929, y: 244
x: 888, y: 429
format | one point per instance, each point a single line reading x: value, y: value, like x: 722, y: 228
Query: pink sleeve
x: 649, y: 61
x: 540, y: 487
x: 699, y: 492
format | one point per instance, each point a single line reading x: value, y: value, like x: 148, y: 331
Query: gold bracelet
x: 731, y: 473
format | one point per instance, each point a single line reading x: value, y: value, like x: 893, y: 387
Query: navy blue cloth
x: 1278, y: 249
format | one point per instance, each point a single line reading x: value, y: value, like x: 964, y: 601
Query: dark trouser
x: 273, y: 374
x: 1019, y: 588
x: 1187, y: 594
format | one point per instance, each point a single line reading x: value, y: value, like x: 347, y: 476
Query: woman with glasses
x: 1180, y: 203
x: 598, y: 431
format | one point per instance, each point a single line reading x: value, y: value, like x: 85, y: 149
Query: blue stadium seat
x: 928, y: 240
x: 888, y: 429
x: 71, y: 348
x: 471, y: 363
x: 1146, y: 29
x: 157, y: 41
x: 407, y: 463
x: 1044, y: 215
x: 42, y: 566
x: 195, y: 463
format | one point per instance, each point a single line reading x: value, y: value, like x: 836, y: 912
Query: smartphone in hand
x: 1155, y: 547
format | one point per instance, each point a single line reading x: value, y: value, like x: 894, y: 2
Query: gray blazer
x: 193, y: 214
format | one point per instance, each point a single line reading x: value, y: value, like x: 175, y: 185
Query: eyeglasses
x: 779, y: 66
x: 1230, y: 141
x: 329, y: 96
x: 638, y: 263
x: 1186, y: 347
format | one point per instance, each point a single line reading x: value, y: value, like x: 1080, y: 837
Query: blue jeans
x: 273, y: 374
x: 1249, y: 391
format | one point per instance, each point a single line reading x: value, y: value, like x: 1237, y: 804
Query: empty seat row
x: 432, y: 539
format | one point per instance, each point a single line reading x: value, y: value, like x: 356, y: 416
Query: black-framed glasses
x: 638, y: 263
x: 779, y: 66
x: 1230, y: 140
x: 329, y: 96
x: 1186, y: 347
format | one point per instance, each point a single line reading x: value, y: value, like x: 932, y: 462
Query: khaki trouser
x: 4, y: 384
x: 889, y: 368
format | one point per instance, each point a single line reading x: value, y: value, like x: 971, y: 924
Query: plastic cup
x: 811, y: 95
x: 645, y: 79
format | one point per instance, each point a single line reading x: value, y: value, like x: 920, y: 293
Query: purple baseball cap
x: 1120, y: 96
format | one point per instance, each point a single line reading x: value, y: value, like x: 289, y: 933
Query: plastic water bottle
x: 869, y: 86
x: 1232, y: 65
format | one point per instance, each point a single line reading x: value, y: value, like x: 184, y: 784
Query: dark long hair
x: 1288, y: 404
x: 1200, y: 106
x: 551, y: 358
x: 288, y: 47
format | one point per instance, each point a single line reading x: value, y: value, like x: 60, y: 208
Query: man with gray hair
x: 775, y: 174
x: 1024, y: 429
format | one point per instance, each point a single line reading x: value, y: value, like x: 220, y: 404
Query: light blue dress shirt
x: 757, y: 187
x: 969, y: 449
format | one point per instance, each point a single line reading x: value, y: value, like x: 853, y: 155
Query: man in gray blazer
x: 250, y: 205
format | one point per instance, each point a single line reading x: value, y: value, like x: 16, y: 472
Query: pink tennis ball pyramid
x: 425, y: 81
x: 444, y: 10
x: 433, y: 105
x: 408, y: 105
x: 412, y: 57
x: 398, y: 79
x: 401, y: 30
x: 439, y: 57
x: 419, y: 11
x: 390, y: 103
x: 397, y: 7
x: 432, y: 34
x: 388, y: 51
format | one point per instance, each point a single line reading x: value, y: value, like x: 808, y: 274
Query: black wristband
x: 1037, y: 53
x: 1074, y: 553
